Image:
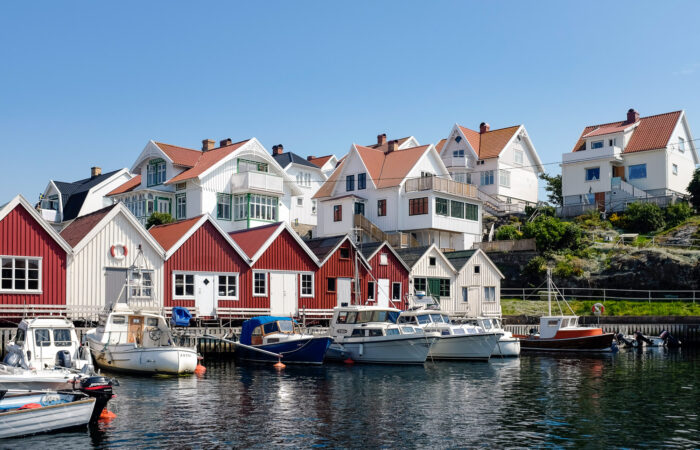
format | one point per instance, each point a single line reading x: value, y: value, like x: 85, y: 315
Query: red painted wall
x: 394, y: 271
x: 335, y: 267
x: 22, y: 235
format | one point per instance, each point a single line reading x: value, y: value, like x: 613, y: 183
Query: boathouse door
x: 283, y: 294
x: 115, y: 286
x: 344, y: 294
x: 204, y: 298
x: 383, y: 292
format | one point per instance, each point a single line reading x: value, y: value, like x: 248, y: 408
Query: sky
x: 87, y: 84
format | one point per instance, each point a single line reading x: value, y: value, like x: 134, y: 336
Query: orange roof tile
x: 126, y: 187
x: 168, y: 234
x: 440, y: 144
x: 320, y: 161
x: 206, y: 160
x: 180, y: 156
x: 80, y: 227
x: 651, y: 133
x: 490, y: 144
x: 252, y: 239
x: 326, y: 189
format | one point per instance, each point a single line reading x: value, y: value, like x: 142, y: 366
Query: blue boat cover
x: 250, y: 324
x: 181, y: 316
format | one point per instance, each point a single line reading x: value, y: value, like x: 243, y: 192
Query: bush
x: 617, y: 221
x: 592, y: 221
x: 159, y: 218
x: 694, y: 189
x: 567, y: 269
x: 535, y: 270
x: 508, y: 232
x: 677, y: 213
x: 544, y: 210
x: 644, y: 218
x: 551, y: 234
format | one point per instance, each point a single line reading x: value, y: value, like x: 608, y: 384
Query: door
x: 383, y: 292
x: 619, y: 171
x: 115, y: 286
x: 600, y: 200
x: 163, y: 205
x: 434, y: 288
x: 204, y: 298
x: 135, y: 333
x: 283, y: 294
x: 343, y: 291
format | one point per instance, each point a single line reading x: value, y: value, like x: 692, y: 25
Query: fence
x: 604, y: 294
x: 519, y: 245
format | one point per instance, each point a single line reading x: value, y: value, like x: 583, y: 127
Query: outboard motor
x: 63, y: 359
x: 100, y: 388
x: 669, y: 340
x: 640, y: 338
x: 627, y: 343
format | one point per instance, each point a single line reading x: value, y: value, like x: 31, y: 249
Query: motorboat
x: 370, y: 334
x: 140, y: 342
x: 638, y: 340
x: 563, y: 332
x: 280, y: 335
x: 453, y: 341
x: 507, y: 345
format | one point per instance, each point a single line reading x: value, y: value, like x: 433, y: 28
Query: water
x: 631, y: 399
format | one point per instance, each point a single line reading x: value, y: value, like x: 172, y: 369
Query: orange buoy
x: 278, y: 365
x: 200, y: 370
x: 349, y: 361
x: 107, y: 415
x: 30, y: 406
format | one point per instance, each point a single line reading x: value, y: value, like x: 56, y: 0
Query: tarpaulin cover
x: 250, y: 324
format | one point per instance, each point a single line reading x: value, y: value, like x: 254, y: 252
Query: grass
x: 516, y: 307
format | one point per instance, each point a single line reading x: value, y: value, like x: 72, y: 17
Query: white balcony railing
x: 609, y: 153
x: 257, y: 181
x: 441, y: 185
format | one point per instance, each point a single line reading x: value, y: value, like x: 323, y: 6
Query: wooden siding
x: 394, y: 271
x: 422, y: 269
x: 487, y: 276
x: 335, y: 267
x: 22, y: 235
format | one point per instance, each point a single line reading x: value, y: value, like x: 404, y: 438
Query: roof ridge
x: 178, y: 146
x: 620, y: 122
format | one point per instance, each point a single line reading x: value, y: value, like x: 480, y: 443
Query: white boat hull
x: 412, y: 350
x: 29, y: 382
x: 507, y: 347
x: 49, y: 418
x: 465, y: 346
x: 154, y: 360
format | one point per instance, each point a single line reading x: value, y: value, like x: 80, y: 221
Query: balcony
x: 605, y: 153
x: 50, y: 215
x: 441, y: 185
x: 257, y: 181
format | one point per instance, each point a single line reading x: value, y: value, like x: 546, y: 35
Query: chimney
x: 95, y: 172
x: 225, y: 142
x: 632, y: 116
x: 381, y: 139
x: 484, y: 128
x: 208, y: 144
x: 309, y: 158
x: 393, y: 146
x: 277, y: 149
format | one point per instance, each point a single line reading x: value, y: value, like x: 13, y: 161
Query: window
x: 313, y: 207
x: 184, y: 285
x: 245, y: 165
x: 442, y: 206
x: 259, y: 284
x: 489, y: 293
x: 330, y: 284
x: 263, y: 207
x: 471, y: 211
x: 300, y: 201
x: 675, y: 169
x: 681, y: 144
x: 518, y: 157
x: 381, y: 208
x: 612, y: 142
x: 350, y: 183
x: 396, y: 291
x: 223, y: 206
x: 477, y: 269
x: 359, y: 208
x: 458, y: 139
x: 337, y: 213
x: 419, y: 284
x: 141, y: 284
x: 432, y: 261
x: 307, y: 179
x: 383, y: 259
x: 181, y: 206
x: 417, y: 206
x: 42, y: 337
x: 21, y: 274
x: 361, y: 181
x: 344, y: 253
x: 228, y: 286
x: 155, y: 172
x: 596, y: 144
x: 637, y: 171
x: 487, y: 178
x: 61, y: 337
x: 465, y: 294
x: 457, y: 209
x: 593, y: 174
x: 504, y: 178
x: 458, y: 154
x: 307, y: 284
x: 180, y: 186
x: 424, y: 174
x: 370, y: 290
x: 444, y: 287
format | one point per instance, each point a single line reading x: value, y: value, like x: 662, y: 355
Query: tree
x: 553, y: 188
x: 159, y: 218
x: 677, y: 213
x: 694, y: 189
x: 644, y: 217
x: 508, y: 233
x: 551, y: 234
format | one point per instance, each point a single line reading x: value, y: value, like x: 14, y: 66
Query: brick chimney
x: 484, y: 127
x: 309, y: 158
x: 95, y: 172
x: 632, y: 116
x: 381, y: 139
x: 277, y: 149
x: 393, y: 146
x: 208, y: 144
x: 225, y: 142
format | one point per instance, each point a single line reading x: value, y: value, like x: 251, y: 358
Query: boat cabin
x: 346, y: 319
x: 39, y: 342
x: 268, y: 330
x: 143, y: 329
x: 550, y: 326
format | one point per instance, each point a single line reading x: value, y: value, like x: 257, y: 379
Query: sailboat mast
x: 549, y: 289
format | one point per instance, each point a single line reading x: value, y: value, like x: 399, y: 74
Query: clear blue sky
x: 89, y: 83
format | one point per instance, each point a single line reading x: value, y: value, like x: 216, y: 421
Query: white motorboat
x: 458, y: 342
x: 369, y: 334
x: 32, y: 413
x: 139, y: 341
x: 507, y: 345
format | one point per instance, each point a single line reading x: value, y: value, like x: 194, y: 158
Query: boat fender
x: 118, y: 251
x: 361, y: 350
x: 107, y: 415
x: 200, y: 370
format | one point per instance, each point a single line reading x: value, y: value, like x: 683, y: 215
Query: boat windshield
x: 61, y: 337
x: 270, y: 327
x: 486, y: 324
x: 367, y: 316
x: 437, y: 318
x: 446, y: 318
x: 496, y: 323
x: 286, y: 326
x: 424, y: 319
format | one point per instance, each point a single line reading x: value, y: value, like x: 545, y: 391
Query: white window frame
x: 487, y: 178
x: 674, y: 169
x: 38, y: 290
x: 179, y: 197
x: 585, y: 174
x: 518, y: 157
x: 255, y: 272
x: 504, y: 178
x: 184, y: 290
x: 226, y: 204
x: 301, y: 284
x: 141, y: 288
x: 383, y: 259
x: 681, y: 144
x: 238, y: 285
x: 400, y: 290
x: 487, y: 291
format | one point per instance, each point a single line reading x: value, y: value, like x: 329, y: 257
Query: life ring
x: 118, y: 251
x: 598, y: 309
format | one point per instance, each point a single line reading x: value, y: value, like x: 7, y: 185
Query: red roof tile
x: 126, y: 187
x: 440, y: 144
x: 320, y: 161
x: 252, y: 239
x: 490, y: 144
x: 180, y: 156
x: 206, y: 160
x: 80, y: 227
x: 168, y: 234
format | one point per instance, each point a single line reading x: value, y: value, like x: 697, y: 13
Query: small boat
x: 140, y: 342
x: 507, y: 345
x: 452, y: 341
x: 280, y: 335
x: 369, y: 334
x: 638, y: 340
x: 563, y: 333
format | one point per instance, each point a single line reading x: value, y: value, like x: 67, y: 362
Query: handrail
x: 441, y: 185
x: 605, y: 294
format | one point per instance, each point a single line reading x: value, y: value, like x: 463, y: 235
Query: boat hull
x: 128, y: 358
x: 507, y: 347
x: 300, y: 351
x: 48, y: 418
x: 32, y: 382
x: 595, y: 343
x: 477, y: 347
x: 385, y: 351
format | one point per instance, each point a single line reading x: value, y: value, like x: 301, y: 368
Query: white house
x: 503, y: 163
x: 240, y: 184
x: 325, y: 163
x: 648, y: 159
x: 63, y: 201
x: 400, y: 192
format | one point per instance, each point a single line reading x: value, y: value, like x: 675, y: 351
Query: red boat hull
x: 591, y: 343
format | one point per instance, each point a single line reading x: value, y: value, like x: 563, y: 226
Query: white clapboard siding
x: 488, y: 276
x: 423, y: 269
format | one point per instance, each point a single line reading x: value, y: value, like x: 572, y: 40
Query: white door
x: 343, y: 291
x: 204, y: 298
x: 283, y: 294
x: 383, y: 292
x: 163, y: 205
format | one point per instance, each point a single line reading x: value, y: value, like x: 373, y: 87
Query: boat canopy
x: 251, y: 324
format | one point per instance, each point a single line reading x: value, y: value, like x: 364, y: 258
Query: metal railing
x: 605, y: 294
x: 441, y: 185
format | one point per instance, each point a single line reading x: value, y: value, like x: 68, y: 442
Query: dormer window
x: 245, y: 165
x: 156, y: 172
x: 596, y: 144
x: 612, y: 142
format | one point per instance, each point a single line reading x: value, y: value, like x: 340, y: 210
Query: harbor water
x: 648, y: 398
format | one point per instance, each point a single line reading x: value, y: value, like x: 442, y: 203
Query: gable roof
x: 254, y: 241
x: 650, y: 133
x: 440, y: 144
x: 320, y: 161
x: 206, y: 160
x: 180, y: 156
x: 412, y: 255
x: 369, y: 250
x: 126, y: 187
x: 324, y: 247
x: 73, y: 194
x: 19, y: 200
x: 491, y: 143
x: 326, y: 189
x: 80, y: 227
x: 287, y: 158
x: 460, y: 258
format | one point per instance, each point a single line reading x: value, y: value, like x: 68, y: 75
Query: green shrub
x: 544, y: 210
x: 592, y: 221
x: 567, y: 268
x: 159, y: 218
x: 677, y: 213
x: 508, y: 232
x: 644, y: 218
x: 535, y: 270
x: 551, y: 234
x: 694, y: 189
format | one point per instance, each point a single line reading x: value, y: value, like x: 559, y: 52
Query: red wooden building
x: 34, y: 259
x: 387, y: 284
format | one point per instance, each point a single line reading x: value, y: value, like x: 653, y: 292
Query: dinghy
x: 32, y: 413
